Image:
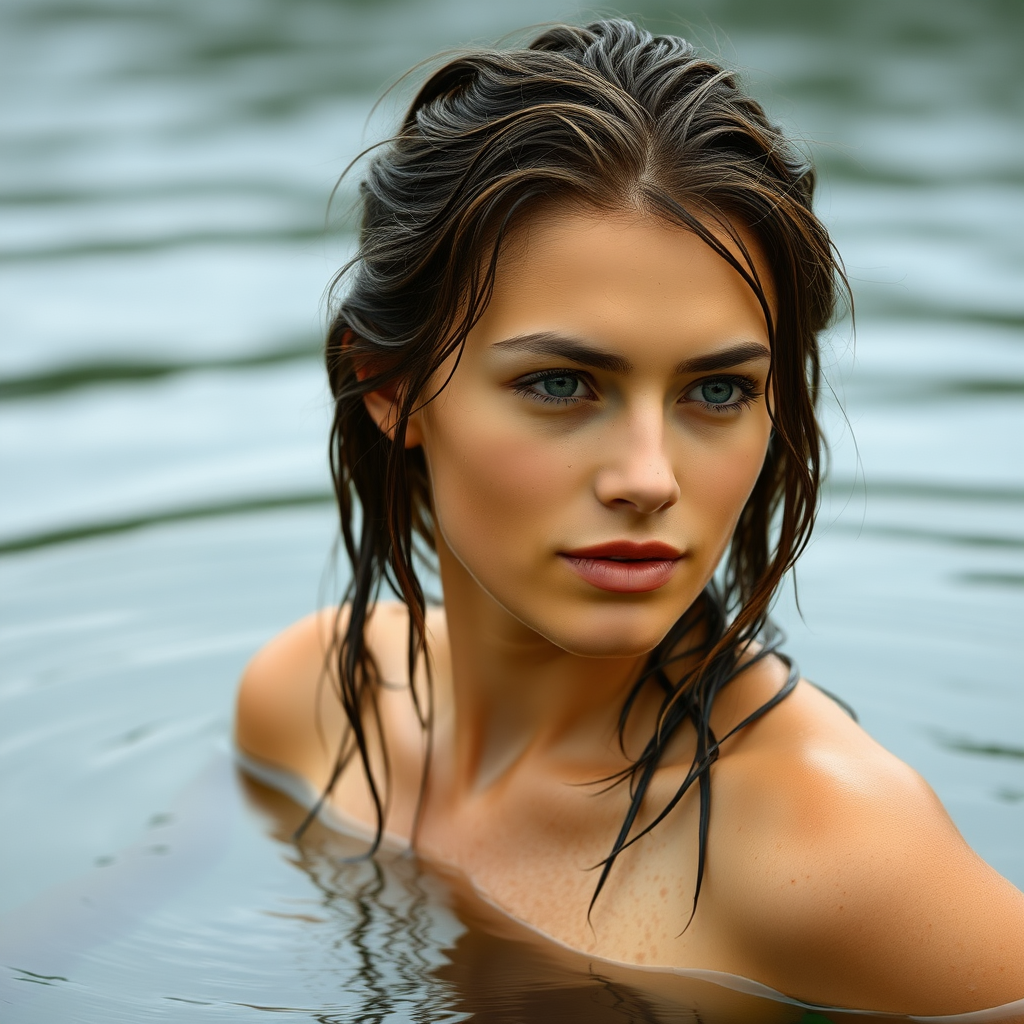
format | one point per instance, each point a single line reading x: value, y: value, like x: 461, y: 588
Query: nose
x: 637, y: 470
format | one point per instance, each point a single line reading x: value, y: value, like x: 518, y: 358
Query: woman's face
x: 603, y: 429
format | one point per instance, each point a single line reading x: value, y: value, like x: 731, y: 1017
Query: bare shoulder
x: 846, y: 878
x: 281, y: 695
x: 287, y: 711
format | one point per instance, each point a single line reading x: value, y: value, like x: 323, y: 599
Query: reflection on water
x: 493, y: 968
x: 217, y: 909
x: 166, y: 505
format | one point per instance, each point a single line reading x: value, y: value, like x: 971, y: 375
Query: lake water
x: 163, y: 253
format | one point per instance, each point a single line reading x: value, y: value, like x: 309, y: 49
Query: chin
x: 613, y: 632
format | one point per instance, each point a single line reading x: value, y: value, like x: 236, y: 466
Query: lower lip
x: 624, y: 577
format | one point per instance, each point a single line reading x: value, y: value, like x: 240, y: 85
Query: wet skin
x: 613, y: 394
x: 636, y: 452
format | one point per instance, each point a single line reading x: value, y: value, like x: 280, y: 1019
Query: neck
x: 514, y: 693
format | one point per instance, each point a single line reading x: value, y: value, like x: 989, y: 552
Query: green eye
x: 723, y: 394
x: 560, y: 387
x: 717, y: 392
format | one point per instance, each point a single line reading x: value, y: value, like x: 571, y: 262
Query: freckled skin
x: 834, y: 874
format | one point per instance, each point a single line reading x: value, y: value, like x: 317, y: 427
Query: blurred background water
x: 164, y: 249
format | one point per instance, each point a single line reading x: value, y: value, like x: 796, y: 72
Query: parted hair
x: 605, y: 117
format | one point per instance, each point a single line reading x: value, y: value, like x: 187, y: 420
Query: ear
x: 383, y: 409
x: 383, y: 405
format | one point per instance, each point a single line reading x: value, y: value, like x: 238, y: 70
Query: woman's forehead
x: 559, y: 235
x: 623, y: 274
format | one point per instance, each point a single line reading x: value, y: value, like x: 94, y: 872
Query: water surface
x: 165, y: 248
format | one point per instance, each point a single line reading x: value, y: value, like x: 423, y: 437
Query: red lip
x: 636, y: 551
x: 625, y: 566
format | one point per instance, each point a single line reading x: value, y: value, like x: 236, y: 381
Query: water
x: 164, y: 251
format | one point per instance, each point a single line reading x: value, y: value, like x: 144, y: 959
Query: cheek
x: 490, y: 481
x: 719, y: 476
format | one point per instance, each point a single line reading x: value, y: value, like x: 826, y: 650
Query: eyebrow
x: 742, y: 352
x: 545, y: 343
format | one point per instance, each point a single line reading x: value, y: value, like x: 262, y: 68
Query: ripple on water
x: 167, y: 504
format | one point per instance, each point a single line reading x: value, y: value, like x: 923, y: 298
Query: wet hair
x: 605, y: 117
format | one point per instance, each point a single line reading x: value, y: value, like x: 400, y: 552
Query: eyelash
x: 749, y: 391
x: 523, y: 386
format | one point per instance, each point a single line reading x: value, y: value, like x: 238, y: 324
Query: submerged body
x: 835, y: 875
x: 588, y: 458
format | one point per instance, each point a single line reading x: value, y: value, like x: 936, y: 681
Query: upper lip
x: 638, y: 551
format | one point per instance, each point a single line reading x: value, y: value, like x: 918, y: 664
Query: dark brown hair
x: 606, y: 117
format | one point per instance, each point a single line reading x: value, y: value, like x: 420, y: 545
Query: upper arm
x: 859, y: 891
x: 282, y: 714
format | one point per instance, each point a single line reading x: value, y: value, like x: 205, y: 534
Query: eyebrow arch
x: 743, y: 352
x: 546, y: 343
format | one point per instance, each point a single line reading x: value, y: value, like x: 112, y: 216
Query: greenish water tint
x: 85, y: 531
x: 100, y: 372
x: 166, y: 246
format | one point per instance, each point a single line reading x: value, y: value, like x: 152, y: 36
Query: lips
x: 625, y: 566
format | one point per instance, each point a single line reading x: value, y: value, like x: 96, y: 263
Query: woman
x: 577, y: 361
